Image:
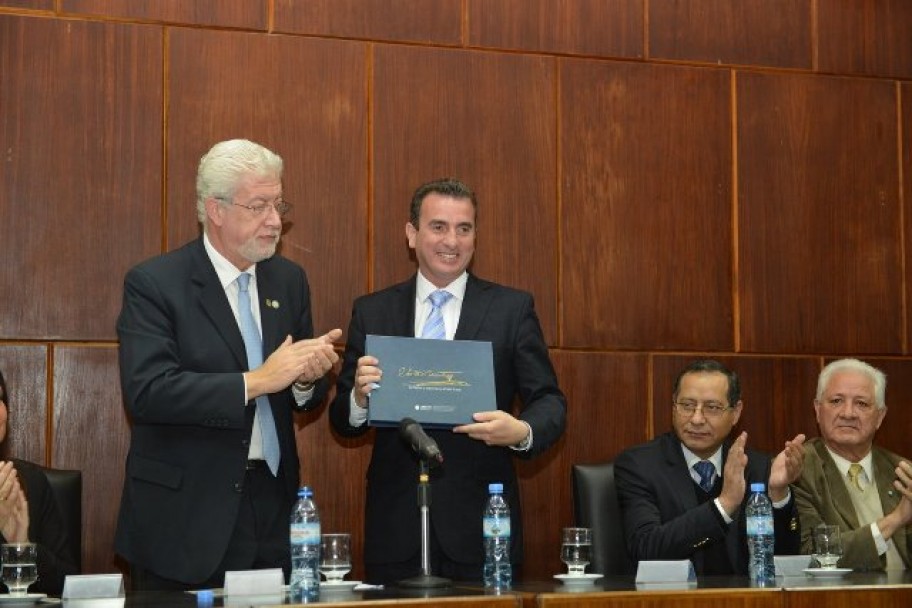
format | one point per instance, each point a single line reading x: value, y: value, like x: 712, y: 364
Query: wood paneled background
x: 670, y: 179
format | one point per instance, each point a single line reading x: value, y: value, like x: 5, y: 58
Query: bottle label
x: 305, y: 533
x: 496, y: 526
x: 757, y: 526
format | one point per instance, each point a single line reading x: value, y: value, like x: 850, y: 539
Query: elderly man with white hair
x: 847, y: 480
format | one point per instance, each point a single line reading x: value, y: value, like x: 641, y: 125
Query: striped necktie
x: 706, y: 470
x: 433, y: 328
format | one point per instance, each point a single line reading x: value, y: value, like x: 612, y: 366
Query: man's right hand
x: 367, y: 375
x: 733, y: 476
x: 310, y: 359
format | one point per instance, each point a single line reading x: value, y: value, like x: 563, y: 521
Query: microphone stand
x: 425, y: 580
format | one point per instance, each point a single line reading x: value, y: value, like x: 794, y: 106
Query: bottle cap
x: 204, y: 597
x: 495, y: 488
x: 758, y: 487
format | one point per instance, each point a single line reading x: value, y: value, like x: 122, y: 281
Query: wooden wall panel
x: 491, y: 123
x: 905, y: 92
x: 777, y: 392
x: 753, y: 32
x: 646, y: 247
x: 70, y: 193
x: 604, y: 28
x: 607, y: 395
x: 438, y: 22
x: 819, y: 222
x: 24, y: 368
x: 91, y: 433
x: 29, y: 4
x: 248, y: 14
x: 304, y: 99
x: 865, y: 37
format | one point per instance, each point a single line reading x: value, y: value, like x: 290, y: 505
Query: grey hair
x: 854, y: 365
x: 223, y: 167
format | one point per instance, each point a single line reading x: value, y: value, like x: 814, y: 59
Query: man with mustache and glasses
x: 847, y: 480
x: 682, y: 495
x: 216, y: 352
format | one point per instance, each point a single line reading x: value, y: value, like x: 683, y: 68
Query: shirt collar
x: 843, y: 464
x: 424, y: 288
x: 693, y: 459
x: 226, y: 271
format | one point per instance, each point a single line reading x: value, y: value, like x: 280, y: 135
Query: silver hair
x: 223, y: 167
x: 854, y: 365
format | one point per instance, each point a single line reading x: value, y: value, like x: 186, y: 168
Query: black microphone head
x: 425, y: 446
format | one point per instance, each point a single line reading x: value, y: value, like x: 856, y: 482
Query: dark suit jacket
x: 56, y: 555
x: 822, y: 497
x: 663, y: 518
x: 505, y: 317
x: 181, y: 363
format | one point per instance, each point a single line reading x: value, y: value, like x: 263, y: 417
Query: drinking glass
x: 827, y: 545
x: 335, y: 556
x: 576, y: 547
x: 19, y: 566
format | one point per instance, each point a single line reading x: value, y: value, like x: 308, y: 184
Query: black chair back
x: 66, y: 486
x: 595, y: 505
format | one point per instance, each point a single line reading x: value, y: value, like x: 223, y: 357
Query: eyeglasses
x: 281, y: 206
x: 710, y: 409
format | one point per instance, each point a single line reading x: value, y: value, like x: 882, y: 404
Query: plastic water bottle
x: 760, y: 539
x: 498, y: 572
x: 305, y: 548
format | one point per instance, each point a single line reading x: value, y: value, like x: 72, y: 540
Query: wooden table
x: 856, y: 590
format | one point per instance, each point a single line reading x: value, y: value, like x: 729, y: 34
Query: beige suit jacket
x: 822, y: 497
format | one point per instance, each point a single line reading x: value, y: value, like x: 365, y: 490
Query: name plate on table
x: 438, y: 383
x: 660, y: 571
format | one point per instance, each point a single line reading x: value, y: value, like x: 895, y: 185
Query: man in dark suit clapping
x: 216, y: 351
x: 682, y: 495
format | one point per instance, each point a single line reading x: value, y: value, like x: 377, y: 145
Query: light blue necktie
x: 706, y: 470
x: 254, y: 346
x: 433, y: 328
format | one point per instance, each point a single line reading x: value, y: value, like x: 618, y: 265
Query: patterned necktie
x: 254, y: 346
x: 855, y: 470
x: 706, y: 470
x: 433, y: 328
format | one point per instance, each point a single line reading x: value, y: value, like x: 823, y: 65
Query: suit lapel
x: 478, y: 297
x: 214, y: 303
x: 269, y: 316
x: 832, y: 479
x: 402, y: 311
x: 682, y: 486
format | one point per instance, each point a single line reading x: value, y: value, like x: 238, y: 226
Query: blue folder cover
x: 438, y: 383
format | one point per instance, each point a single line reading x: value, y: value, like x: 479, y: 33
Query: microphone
x: 426, y: 447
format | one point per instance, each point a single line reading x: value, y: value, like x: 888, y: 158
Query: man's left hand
x: 495, y: 428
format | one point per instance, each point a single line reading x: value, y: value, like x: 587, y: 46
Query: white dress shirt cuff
x: 357, y: 415
x: 526, y: 444
x: 879, y: 541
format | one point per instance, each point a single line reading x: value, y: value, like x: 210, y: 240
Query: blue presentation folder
x: 438, y: 383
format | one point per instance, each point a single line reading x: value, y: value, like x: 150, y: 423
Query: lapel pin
x: 272, y: 303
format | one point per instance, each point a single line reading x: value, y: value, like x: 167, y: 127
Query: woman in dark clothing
x: 29, y: 513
